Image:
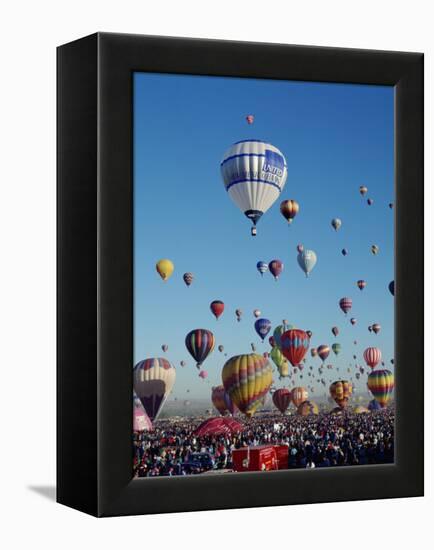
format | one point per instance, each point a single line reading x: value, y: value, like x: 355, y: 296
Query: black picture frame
x: 95, y: 291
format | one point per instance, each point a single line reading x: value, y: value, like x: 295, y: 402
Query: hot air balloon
x: 153, y: 381
x: 203, y: 374
x: 300, y: 248
x: 164, y: 347
x: 165, y: 268
x: 250, y: 119
x: 252, y: 345
x: 276, y: 268
x: 182, y: 363
x: 247, y: 380
x: 262, y: 327
x: 376, y: 328
x: 262, y: 267
x: 361, y: 284
x: 353, y: 321
x: 282, y: 399
x: 309, y: 333
x: 256, y: 313
x: 375, y: 249
x: 370, y: 201
x: 381, y: 384
x: 314, y: 352
x: 341, y: 391
x: 391, y: 205
x: 307, y: 260
x: 279, y: 360
x: 229, y: 404
x: 217, y: 307
x: 336, y: 348
x: 392, y: 288
x: 188, y: 278
x: 363, y: 190
x: 344, y: 252
x: 372, y: 357
x: 200, y: 343
x: 141, y: 421
x: 217, y: 398
x: 336, y: 223
x: 307, y: 408
x: 323, y: 351
x: 299, y: 395
x: 374, y: 405
x: 254, y: 173
x: 289, y: 209
x: 294, y: 345
x: 335, y: 331
x: 345, y: 304
x: 238, y: 313
x: 277, y: 334
x: 221, y: 348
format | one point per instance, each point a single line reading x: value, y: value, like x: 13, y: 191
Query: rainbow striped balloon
x: 381, y: 383
x: 247, y: 380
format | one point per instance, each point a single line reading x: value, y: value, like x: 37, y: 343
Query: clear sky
x: 335, y: 137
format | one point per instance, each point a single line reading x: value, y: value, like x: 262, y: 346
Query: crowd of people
x: 316, y: 441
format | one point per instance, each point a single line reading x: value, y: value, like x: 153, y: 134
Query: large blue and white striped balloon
x: 254, y: 173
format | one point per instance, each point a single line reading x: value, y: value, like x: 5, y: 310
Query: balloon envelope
x: 307, y: 261
x: 254, y: 173
x: 247, y: 380
x: 153, y: 381
x: 165, y: 268
x: 200, y: 343
x: 218, y: 426
x: 294, y: 345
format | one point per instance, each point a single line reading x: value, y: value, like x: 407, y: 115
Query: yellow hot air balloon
x: 341, y: 391
x: 247, y: 380
x: 307, y: 408
x: 165, y: 268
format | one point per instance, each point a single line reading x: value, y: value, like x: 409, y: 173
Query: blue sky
x: 335, y: 138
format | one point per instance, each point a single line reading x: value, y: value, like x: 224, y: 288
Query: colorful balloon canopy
x: 341, y: 391
x: 381, y: 384
x: 217, y: 307
x: 300, y: 248
x: 254, y: 173
x: 188, y: 278
x: 164, y: 268
x: 336, y: 223
x: 335, y: 331
x: 200, y: 343
x: 276, y: 268
x: 353, y: 321
x: 299, y: 395
x: 279, y: 360
x: 282, y: 399
x: 294, y: 345
x: 307, y: 408
x: 361, y: 284
x: 363, y: 190
x: 218, y: 399
x: 250, y: 119
x: 376, y: 328
x: 262, y: 327
x: 307, y: 261
x: 203, y: 374
x: 218, y: 426
x: 153, y: 381
x: 164, y: 347
x: 256, y: 313
x: 370, y: 201
x: 372, y: 357
x: 345, y: 304
x: 247, y: 380
x: 289, y: 209
x: 323, y: 351
x: 375, y: 249
x: 262, y: 267
x: 238, y: 314
x: 141, y: 421
x: 336, y: 348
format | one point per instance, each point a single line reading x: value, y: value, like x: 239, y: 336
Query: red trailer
x: 262, y: 458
